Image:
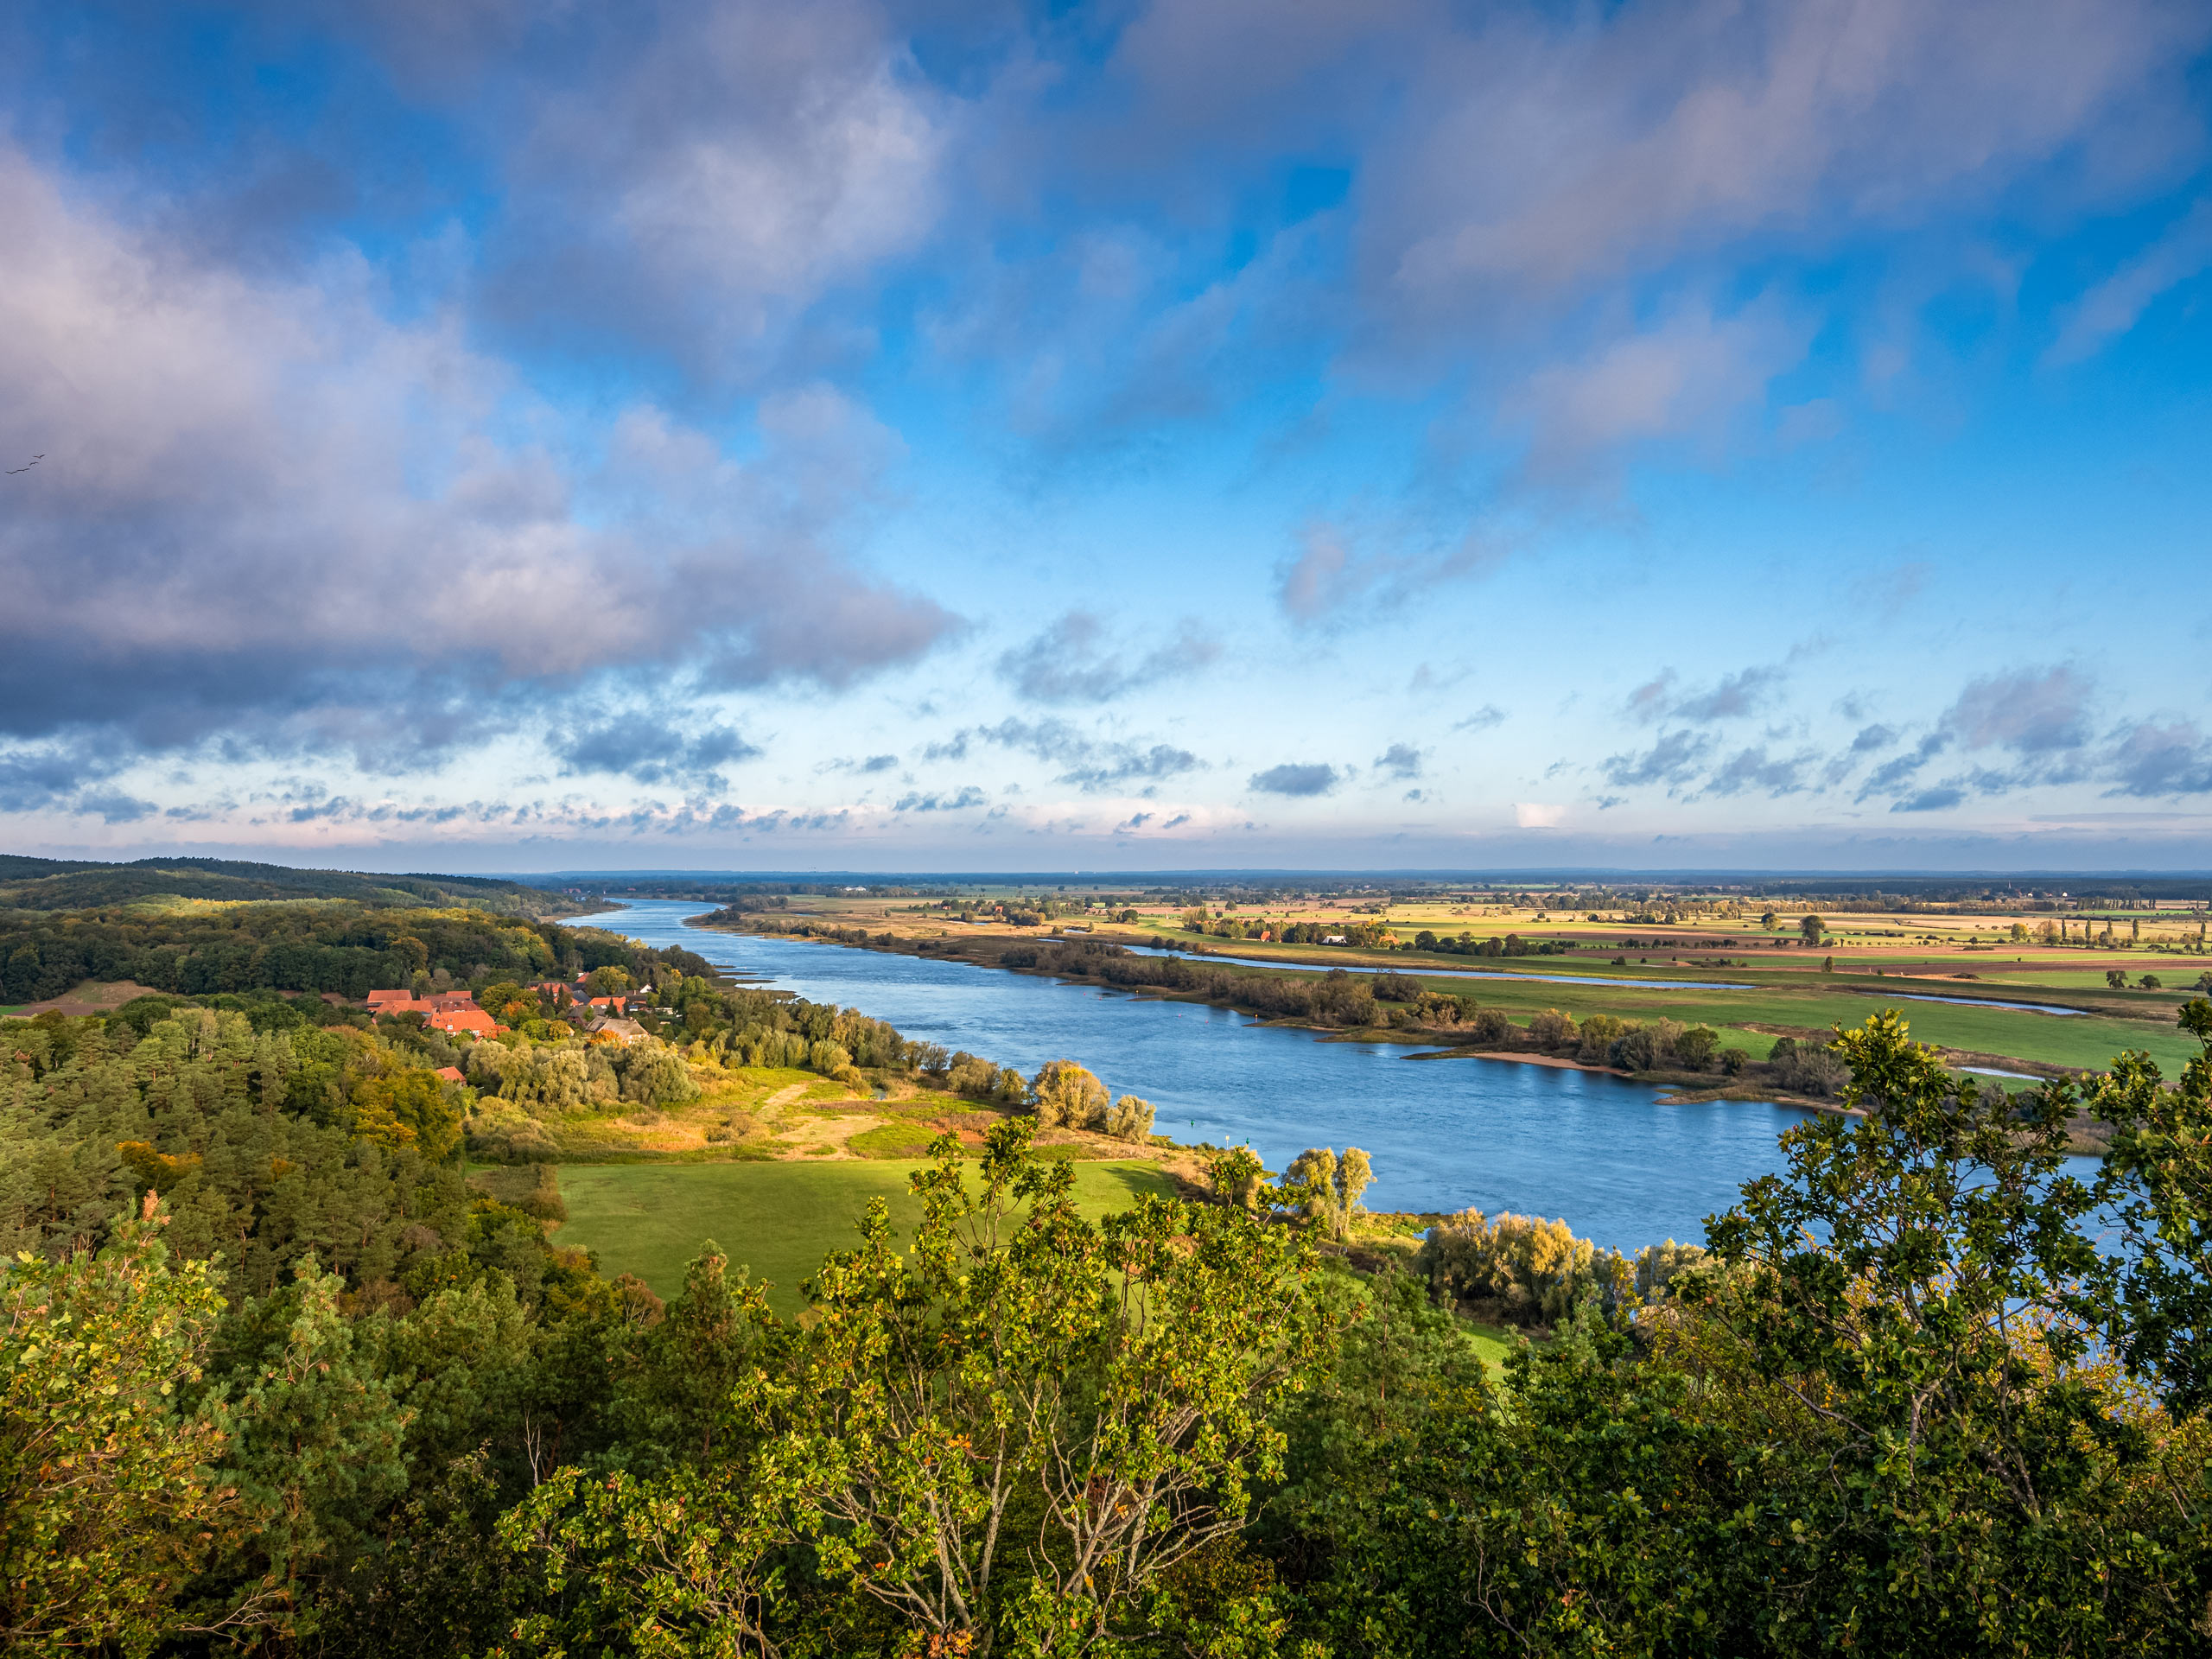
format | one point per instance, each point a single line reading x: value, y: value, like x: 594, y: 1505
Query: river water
x: 1598, y: 1151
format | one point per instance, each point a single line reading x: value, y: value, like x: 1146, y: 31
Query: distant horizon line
x: 1411, y: 872
x: 1495, y: 874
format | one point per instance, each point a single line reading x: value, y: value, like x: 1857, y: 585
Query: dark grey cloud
x: 1940, y: 799
x: 2153, y: 759
x: 1121, y: 766
x: 1898, y: 771
x: 1075, y: 660
x: 1400, y: 760
x: 2030, y: 711
x: 1095, y: 766
x: 1672, y: 760
x: 1339, y: 575
x: 959, y: 801
x: 237, y: 539
x: 696, y: 177
x: 2039, y: 718
x: 69, y: 773
x: 645, y: 747
x: 1313, y: 777
x: 1751, y: 770
x: 1736, y: 696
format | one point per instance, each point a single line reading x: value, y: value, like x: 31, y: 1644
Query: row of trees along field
x: 272, y: 1378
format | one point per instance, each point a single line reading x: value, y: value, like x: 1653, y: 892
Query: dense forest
x: 342, y: 947
x: 54, y: 884
x: 277, y: 1375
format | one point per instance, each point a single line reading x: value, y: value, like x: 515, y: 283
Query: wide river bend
x: 1598, y: 1151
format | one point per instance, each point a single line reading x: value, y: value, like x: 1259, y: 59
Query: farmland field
x: 778, y: 1219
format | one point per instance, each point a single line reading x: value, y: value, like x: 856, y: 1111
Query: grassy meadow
x: 778, y: 1219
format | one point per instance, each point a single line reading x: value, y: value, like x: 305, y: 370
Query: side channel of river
x: 1599, y: 1152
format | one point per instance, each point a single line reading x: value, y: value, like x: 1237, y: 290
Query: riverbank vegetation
x: 275, y: 1377
x: 1771, y: 1031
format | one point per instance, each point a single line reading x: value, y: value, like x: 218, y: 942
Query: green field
x: 778, y: 1219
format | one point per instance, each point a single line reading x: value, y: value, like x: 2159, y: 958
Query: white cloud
x: 268, y: 509
x: 2112, y: 307
x: 1688, y: 378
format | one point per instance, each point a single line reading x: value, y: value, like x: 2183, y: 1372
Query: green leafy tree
x: 610, y: 981
x: 1902, y: 1296
x: 1068, y: 1096
x: 110, y: 1505
x: 409, y: 1107
x: 1326, y: 1188
x: 1811, y: 928
x: 317, y: 1446
x: 672, y: 1569
x: 656, y: 1075
x: 2157, y: 1180
x: 1111, y: 1387
x: 1130, y: 1118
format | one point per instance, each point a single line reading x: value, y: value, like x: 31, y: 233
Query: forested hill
x: 53, y: 884
x: 340, y: 946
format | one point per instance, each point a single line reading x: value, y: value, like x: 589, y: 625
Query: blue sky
x: 483, y: 435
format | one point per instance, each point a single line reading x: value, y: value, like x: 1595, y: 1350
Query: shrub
x: 969, y: 1074
x: 1637, y: 1049
x: 1694, y: 1048
x: 1068, y: 1096
x: 1235, y: 1176
x: 1341, y: 1000
x: 1490, y: 1026
x: 1807, y: 1069
x: 654, y: 1075
x: 1531, y: 1270
x: 1130, y: 1118
x: 1394, y: 987
x: 1552, y: 1031
x: 1600, y: 1033
x: 1656, y: 1265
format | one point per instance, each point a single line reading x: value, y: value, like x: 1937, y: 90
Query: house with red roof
x: 472, y: 1020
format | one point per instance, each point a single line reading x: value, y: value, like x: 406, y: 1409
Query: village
x: 601, y: 1020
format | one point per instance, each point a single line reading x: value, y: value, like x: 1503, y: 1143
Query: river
x: 1599, y: 1150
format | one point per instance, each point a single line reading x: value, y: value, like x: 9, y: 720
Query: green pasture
x: 2174, y: 974
x: 778, y: 1219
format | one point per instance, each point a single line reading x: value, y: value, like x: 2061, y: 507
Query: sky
x: 525, y: 434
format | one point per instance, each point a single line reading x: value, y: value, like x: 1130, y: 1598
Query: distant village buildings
x: 447, y: 1011
x: 456, y: 1012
